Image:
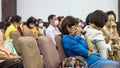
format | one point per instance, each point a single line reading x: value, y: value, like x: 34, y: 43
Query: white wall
x: 78, y: 8
x: 0, y: 10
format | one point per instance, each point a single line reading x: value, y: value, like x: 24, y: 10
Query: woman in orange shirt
x: 30, y: 25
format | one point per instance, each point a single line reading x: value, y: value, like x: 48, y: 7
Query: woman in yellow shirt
x: 15, y: 22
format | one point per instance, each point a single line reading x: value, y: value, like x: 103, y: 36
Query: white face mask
x: 31, y: 25
x: 41, y: 24
x: 56, y: 22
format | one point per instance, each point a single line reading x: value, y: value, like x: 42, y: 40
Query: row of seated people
x: 75, y: 45
x: 36, y: 26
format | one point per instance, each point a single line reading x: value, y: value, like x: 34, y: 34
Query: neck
x: 53, y: 25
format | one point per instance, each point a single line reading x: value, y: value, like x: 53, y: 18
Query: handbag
x: 73, y: 62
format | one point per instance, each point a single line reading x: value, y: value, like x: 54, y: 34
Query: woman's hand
x: 115, y: 39
x: 79, y: 30
x: 90, y: 53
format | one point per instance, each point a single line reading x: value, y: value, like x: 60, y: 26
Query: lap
x: 104, y: 63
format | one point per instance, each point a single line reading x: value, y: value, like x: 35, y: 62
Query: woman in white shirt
x: 95, y: 34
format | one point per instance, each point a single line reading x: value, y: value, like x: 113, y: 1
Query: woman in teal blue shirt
x: 76, y: 46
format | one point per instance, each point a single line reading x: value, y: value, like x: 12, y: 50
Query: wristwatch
x: 83, y: 32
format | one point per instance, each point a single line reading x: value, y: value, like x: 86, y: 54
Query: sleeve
x: 7, y: 34
x: 102, y: 47
x: 51, y: 34
x: 78, y: 48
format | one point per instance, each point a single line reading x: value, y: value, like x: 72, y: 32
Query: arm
x: 89, y: 43
x: 102, y: 48
x: 51, y: 34
x: 8, y: 58
x: 77, y: 47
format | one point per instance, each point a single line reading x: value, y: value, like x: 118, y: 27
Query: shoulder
x: 11, y: 27
x: 66, y: 38
x: 25, y: 26
x: 70, y: 39
x: 94, y: 34
x: 91, y: 30
x: 50, y: 28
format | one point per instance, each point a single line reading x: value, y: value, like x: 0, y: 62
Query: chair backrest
x: 28, y: 33
x: 15, y: 35
x: 50, y: 54
x: 30, y: 53
x: 61, y: 52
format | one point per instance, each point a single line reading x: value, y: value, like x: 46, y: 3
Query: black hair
x: 88, y: 18
x: 39, y: 20
x: 15, y: 19
x: 50, y: 17
x: 31, y: 20
x: 68, y: 22
x: 7, y: 21
x: 2, y: 25
x: 111, y: 13
x: 99, y: 18
x: 79, y: 20
x: 37, y: 23
x: 60, y: 18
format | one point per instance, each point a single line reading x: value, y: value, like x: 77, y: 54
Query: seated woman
x: 30, y: 25
x: 110, y: 32
x: 75, y: 45
x: 14, y: 26
x: 40, y: 27
x: 7, y: 58
x: 93, y: 31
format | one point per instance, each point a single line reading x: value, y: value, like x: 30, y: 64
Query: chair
x: 28, y: 33
x: 15, y: 35
x: 30, y: 53
x: 50, y: 54
x: 60, y: 47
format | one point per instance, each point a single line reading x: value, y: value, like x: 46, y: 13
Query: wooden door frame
x: 9, y: 8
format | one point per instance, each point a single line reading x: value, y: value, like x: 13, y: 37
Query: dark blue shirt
x: 77, y: 46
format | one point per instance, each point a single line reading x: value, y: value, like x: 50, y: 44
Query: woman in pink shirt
x: 7, y: 59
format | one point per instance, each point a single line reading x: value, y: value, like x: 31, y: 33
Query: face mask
x: 31, y: 25
x: 41, y: 24
x: 56, y: 23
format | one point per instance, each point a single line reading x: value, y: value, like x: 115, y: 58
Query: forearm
x: 4, y: 58
x: 90, y: 45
